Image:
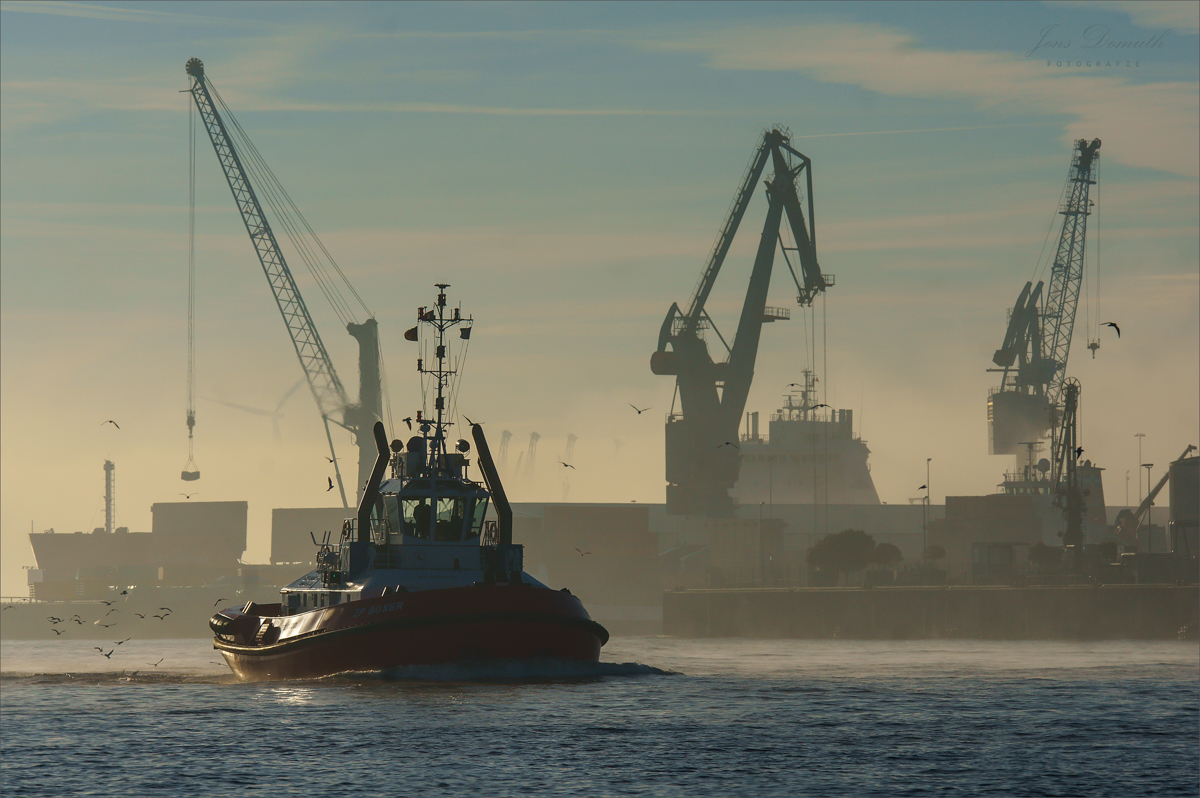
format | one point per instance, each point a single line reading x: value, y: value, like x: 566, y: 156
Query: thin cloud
x: 915, y: 130
x: 1174, y: 15
x: 1151, y: 125
x: 115, y: 14
x: 35, y: 102
x: 488, y: 110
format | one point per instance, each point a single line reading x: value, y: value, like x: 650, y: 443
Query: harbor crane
x: 702, y: 460
x: 1033, y: 357
x: 327, y: 389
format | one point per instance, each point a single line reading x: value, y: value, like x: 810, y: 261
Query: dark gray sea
x: 657, y: 716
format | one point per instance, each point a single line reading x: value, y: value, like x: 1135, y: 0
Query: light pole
x: 925, y: 522
x: 925, y: 518
x: 762, y: 576
x: 1139, y: 436
x: 1149, y: 511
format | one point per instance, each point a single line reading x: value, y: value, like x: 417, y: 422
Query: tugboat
x: 420, y: 576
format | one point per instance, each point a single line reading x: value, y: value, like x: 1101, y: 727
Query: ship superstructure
x: 810, y: 455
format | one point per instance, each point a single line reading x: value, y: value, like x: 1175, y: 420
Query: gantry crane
x: 1033, y: 357
x: 323, y: 380
x: 702, y: 460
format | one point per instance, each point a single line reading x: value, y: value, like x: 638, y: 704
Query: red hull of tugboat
x: 465, y: 624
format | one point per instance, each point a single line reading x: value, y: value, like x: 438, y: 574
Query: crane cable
x: 291, y: 219
x: 1039, y: 267
x: 189, y: 469
x: 1099, y: 206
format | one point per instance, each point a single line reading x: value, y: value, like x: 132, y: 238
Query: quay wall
x: 1106, y: 612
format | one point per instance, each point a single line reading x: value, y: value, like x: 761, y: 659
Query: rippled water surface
x: 657, y: 717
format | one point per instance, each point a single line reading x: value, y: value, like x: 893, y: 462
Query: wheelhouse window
x: 478, y: 511
x: 450, y: 516
x: 417, y: 517
x: 385, y: 519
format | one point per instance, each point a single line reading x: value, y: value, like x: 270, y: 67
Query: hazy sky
x: 566, y: 167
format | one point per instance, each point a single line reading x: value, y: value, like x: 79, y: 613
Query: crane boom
x: 314, y: 359
x: 1066, y: 275
x: 322, y: 379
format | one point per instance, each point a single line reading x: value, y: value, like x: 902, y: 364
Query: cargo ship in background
x: 807, y: 457
x: 420, y: 576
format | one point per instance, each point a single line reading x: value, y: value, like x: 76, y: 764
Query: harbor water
x: 658, y: 716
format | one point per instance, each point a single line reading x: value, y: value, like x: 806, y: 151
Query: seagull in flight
x: 138, y: 614
x: 408, y: 421
x: 583, y: 553
x: 218, y: 601
x: 56, y: 631
x: 565, y: 465
x: 166, y: 609
x: 110, y: 421
x: 1079, y: 451
x: 639, y: 410
x: 189, y: 495
x: 814, y: 407
x: 164, y: 615
x: 109, y: 654
x: 330, y: 459
x: 106, y: 603
x: 793, y: 385
x: 119, y: 642
x: 727, y: 443
x: 155, y: 664
x: 330, y: 484
x: 105, y: 625
x: 1113, y: 325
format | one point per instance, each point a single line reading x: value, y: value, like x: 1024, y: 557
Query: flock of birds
x: 102, y: 622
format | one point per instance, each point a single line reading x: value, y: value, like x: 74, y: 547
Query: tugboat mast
x: 437, y: 318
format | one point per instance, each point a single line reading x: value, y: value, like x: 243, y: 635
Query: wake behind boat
x: 419, y: 577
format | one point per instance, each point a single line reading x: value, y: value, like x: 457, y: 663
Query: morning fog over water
x: 657, y: 716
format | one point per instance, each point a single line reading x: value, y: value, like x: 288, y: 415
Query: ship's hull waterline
x: 481, y: 623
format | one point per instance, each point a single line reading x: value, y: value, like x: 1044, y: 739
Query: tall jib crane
x: 323, y: 380
x: 702, y: 459
x: 1033, y: 357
